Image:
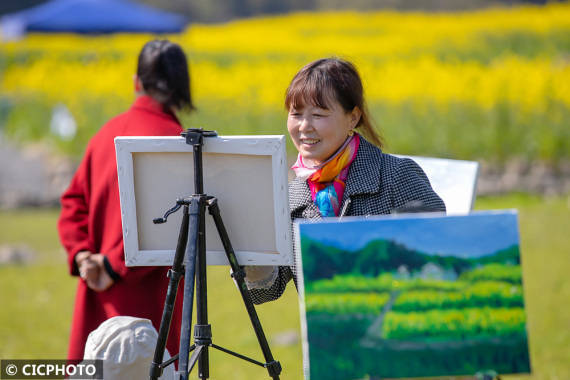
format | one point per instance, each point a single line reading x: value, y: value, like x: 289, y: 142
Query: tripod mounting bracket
x: 195, y: 136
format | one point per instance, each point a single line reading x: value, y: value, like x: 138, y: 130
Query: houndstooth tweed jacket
x: 377, y: 183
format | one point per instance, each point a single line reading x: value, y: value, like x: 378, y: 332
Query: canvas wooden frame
x: 455, y: 181
x: 253, y: 205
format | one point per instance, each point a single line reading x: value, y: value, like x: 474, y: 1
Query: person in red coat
x: 90, y: 222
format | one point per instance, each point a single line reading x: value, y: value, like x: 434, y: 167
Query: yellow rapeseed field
x: 253, y: 60
x: 480, y: 59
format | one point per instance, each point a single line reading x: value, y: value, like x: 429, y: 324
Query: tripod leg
x: 273, y: 366
x: 202, y: 330
x: 175, y: 274
x: 190, y: 263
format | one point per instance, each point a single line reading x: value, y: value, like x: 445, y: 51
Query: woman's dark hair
x: 329, y: 79
x: 163, y: 71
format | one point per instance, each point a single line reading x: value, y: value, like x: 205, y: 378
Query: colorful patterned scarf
x: 327, y: 180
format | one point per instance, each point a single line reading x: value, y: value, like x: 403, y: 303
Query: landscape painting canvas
x: 412, y: 296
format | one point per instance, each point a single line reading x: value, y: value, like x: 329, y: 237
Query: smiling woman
x: 338, y: 172
x: 325, y: 101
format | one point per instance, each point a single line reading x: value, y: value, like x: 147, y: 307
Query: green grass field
x: 37, y: 298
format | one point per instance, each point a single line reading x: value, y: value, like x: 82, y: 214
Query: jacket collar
x: 363, y: 178
x: 364, y: 174
x: 148, y: 104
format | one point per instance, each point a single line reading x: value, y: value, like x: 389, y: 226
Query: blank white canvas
x: 455, y: 181
x: 248, y: 176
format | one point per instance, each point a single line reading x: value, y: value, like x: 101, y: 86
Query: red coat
x: 91, y: 220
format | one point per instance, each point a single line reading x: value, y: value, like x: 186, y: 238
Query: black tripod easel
x: 190, y: 262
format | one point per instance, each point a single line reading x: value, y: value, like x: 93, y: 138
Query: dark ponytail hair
x: 163, y: 71
x: 328, y: 79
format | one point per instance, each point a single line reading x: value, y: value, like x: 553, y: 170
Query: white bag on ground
x: 126, y: 346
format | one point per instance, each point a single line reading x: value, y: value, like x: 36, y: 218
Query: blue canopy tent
x: 91, y: 16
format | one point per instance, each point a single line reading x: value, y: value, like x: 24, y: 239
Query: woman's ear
x: 355, y: 115
x: 138, y: 84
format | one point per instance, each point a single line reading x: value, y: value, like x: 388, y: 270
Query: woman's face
x: 319, y: 132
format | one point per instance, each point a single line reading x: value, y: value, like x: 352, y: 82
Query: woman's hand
x: 80, y: 257
x: 87, y: 268
x: 92, y: 271
x: 260, y: 277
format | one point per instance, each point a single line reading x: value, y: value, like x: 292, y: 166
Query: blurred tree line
x: 224, y: 10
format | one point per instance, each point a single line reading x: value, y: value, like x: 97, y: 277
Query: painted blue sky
x: 474, y: 235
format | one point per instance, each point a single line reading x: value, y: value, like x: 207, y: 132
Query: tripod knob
x: 194, y: 136
x: 165, y: 217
